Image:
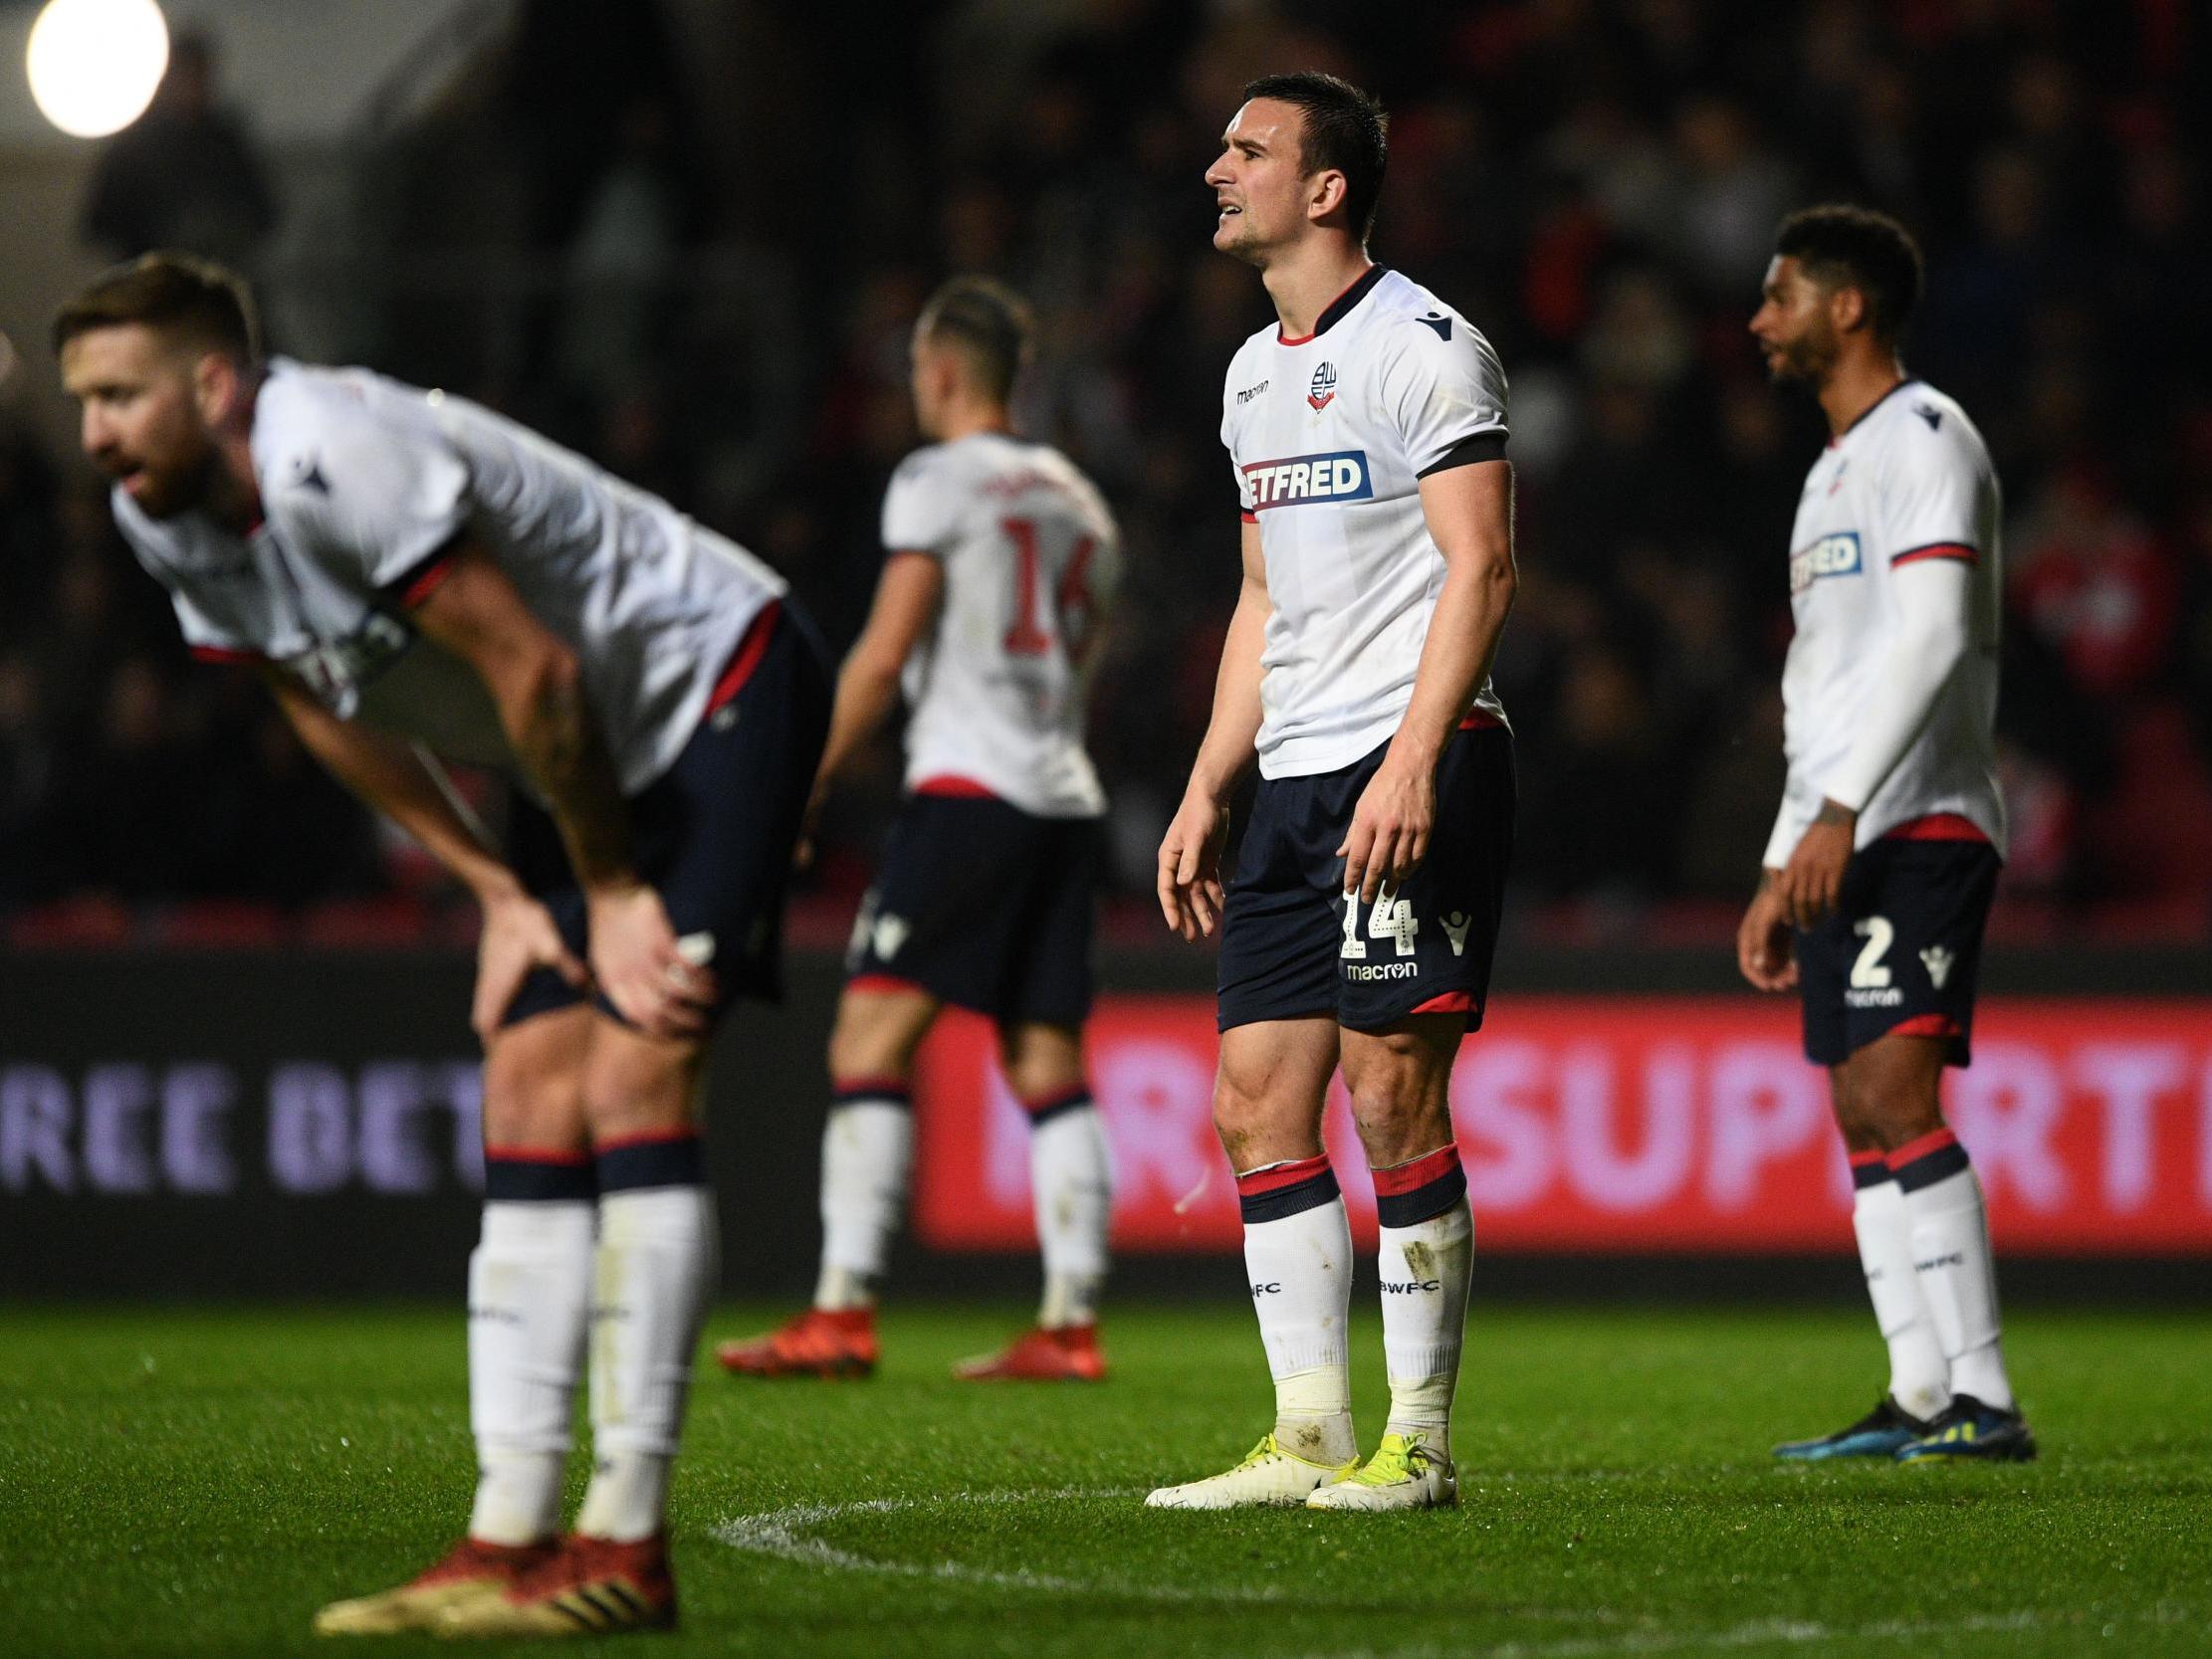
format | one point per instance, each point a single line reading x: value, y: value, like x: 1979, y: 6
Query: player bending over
x: 1367, y: 436
x: 411, y: 572
x: 1001, y: 562
x: 1885, y: 852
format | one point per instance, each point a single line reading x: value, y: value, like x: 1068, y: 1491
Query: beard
x: 168, y: 491
x: 1804, y: 360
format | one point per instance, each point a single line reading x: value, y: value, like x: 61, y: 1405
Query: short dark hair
x: 1344, y: 131
x: 988, y: 323
x: 206, y: 304
x: 1841, y: 246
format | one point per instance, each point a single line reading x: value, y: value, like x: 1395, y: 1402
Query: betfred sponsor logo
x: 1831, y: 555
x: 1304, y: 479
x: 1662, y: 1123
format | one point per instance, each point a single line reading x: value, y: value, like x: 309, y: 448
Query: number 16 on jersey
x: 1071, y: 606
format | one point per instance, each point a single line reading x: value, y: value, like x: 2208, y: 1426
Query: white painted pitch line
x: 784, y: 1534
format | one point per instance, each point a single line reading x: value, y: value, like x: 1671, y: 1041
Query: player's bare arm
x: 908, y: 595
x: 1190, y: 876
x: 537, y: 688
x: 1808, y: 885
x: 385, y: 773
x: 1469, y: 512
x: 1765, y: 953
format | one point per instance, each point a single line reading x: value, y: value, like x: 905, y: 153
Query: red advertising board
x: 1648, y: 1124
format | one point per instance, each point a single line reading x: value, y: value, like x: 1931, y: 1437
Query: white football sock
x: 1919, y: 1376
x: 867, y: 1154
x: 530, y: 1292
x: 1425, y: 1270
x: 1958, y: 1276
x: 656, y: 1268
x: 1300, y: 1271
x: 1073, y: 1184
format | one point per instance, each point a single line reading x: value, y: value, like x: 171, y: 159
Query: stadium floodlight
x: 95, y: 63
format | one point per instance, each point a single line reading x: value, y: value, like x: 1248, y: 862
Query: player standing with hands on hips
x: 1885, y: 855
x: 1366, y: 433
x: 412, y: 574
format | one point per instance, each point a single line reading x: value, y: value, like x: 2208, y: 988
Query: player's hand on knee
x: 518, y: 936
x: 1390, y: 831
x: 1764, y: 950
x: 1189, y: 872
x: 642, y: 970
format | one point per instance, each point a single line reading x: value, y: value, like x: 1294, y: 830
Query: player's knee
x: 1889, y: 1092
x: 1242, y: 1118
x: 531, y: 1098
x: 1040, y: 1063
x: 1391, y: 1079
x: 876, y: 1035
x: 639, y: 1088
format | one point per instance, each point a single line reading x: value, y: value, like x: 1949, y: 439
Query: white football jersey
x: 1330, y: 436
x: 1911, y: 480
x: 364, y: 484
x: 997, y: 690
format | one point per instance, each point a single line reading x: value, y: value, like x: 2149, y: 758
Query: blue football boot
x: 1970, y: 1429
x: 1883, y: 1432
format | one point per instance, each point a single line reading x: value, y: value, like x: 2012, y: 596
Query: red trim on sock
x: 1935, y: 1142
x: 1407, y: 1178
x: 1450, y: 1003
x: 1938, y: 826
x: 1924, y: 1025
x: 1045, y: 1102
x: 646, y: 1137
x: 743, y: 660
x: 1861, y: 1161
x: 898, y: 1086
x: 533, y: 1154
x: 1277, y: 1176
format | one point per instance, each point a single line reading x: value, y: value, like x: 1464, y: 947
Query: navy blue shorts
x: 713, y: 834
x: 1902, y: 952
x: 1292, y: 943
x: 986, y: 907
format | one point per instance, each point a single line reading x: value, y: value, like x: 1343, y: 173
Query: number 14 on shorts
x: 1392, y: 918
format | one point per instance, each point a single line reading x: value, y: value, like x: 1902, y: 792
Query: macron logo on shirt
x: 1300, y: 479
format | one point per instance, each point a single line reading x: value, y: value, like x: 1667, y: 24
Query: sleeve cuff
x: 420, y: 579
x: 1477, y: 446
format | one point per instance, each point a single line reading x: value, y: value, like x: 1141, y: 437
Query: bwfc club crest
x: 1323, y: 389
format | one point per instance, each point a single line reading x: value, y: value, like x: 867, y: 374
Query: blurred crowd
x: 693, y: 249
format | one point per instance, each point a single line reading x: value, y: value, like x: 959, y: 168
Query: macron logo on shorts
x: 1301, y: 479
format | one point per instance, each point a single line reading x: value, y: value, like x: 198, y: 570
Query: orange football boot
x: 818, y: 1343
x: 1066, y: 1355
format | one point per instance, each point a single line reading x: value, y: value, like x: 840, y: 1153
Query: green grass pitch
x: 199, y: 1482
